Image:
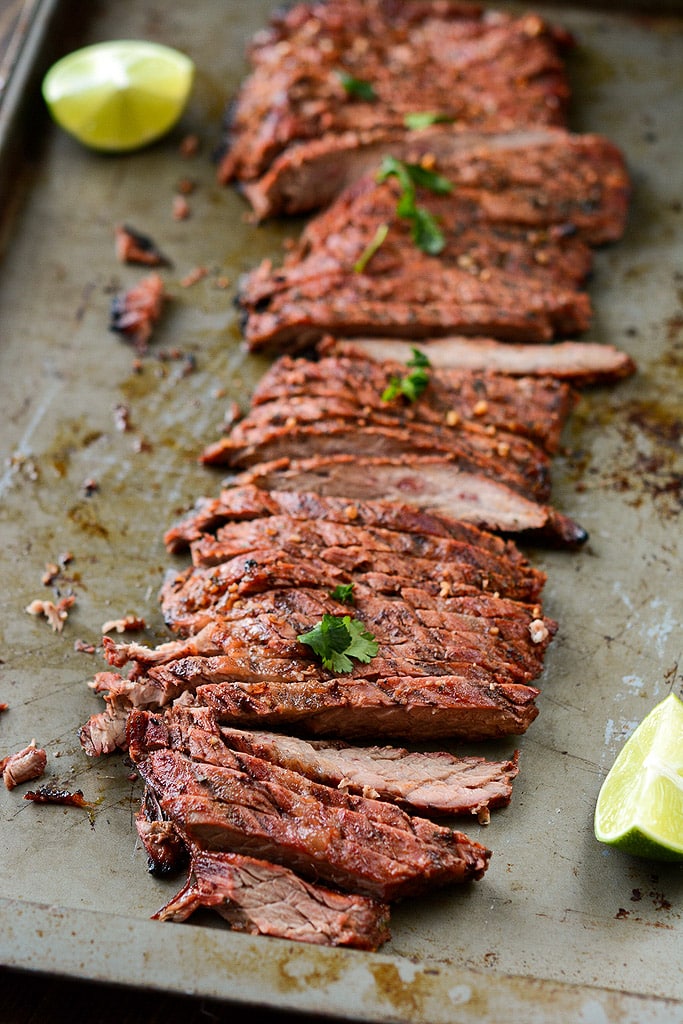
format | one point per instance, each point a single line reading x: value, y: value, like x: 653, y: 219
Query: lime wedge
x: 640, y: 805
x: 119, y: 95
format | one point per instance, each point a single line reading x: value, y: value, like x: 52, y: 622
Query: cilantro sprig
x: 343, y: 592
x: 412, y: 384
x: 358, y: 88
x: 336, y: 639
x: 425, y: 118
x: 425, y: 230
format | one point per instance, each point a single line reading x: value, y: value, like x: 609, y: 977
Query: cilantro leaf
x: 425, y: 118
x: 343, y: 593
x: 425, y: 231
x: 414, y: 383
x: 370, y: 249
x: 336, y: 640
x: 357, y: 87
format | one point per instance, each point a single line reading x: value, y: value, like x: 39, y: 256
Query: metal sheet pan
x: 560, y: 928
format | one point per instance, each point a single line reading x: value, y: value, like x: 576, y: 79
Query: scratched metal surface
x: 560, y: 928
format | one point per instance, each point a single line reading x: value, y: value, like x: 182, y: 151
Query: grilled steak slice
x: 464, y: 401
x: 262, y: 898
x: 258, y: 809
x: 505, y: 644
x: 513, y: 460
x: 505, y: 292
x: 432, y: 484
x: 415, y: 527
x: 463, y: 563
x: 429, y: 783
x: 409, y: 709
x: 490, y: 72
x: 535, y: 177
x: 580, y: 363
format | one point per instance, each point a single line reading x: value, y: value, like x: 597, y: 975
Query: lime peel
x: 120, y: 95
x: 640, y: 805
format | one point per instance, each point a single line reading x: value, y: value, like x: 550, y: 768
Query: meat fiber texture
x: 455, y: 612
x: 483, y: 71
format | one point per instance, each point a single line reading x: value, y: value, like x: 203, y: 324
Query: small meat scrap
x: 23, y: 766
x: 181, y: 208
x: 83, y: 647
x: 134, y: 247
x: 56, y: 614
x: 135, y: 312
x: 4, y: 707
x: 46, y: 795
x: 128, y: 624
x: 196, y: 274
x: 189, y: 146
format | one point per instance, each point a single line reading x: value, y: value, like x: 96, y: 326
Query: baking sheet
x: 560, y: 927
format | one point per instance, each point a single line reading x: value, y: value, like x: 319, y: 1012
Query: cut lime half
x: 640, y: 804
x: 119, y: 95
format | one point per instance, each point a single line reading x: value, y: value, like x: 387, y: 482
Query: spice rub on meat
x: 346, y: 72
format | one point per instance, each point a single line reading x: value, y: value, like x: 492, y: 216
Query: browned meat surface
x: 533, y: 178
x: 580, y: 363
x: 465, y: 402
x: 476, y: 70
x: 248, y: 502
x: 23, y: 766
x: 431, y: 559
x: 262, y: 898
x: 410, y: 709
x: 258, y: 809
x: 429, y: 783
x: 500, y: 280
x: 165, y: 847
x: 432, y: 484
x: 432, y: 783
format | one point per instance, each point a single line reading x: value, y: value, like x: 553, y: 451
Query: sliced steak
x: 248, y: 502
x: 463, y: 401
x: 580, y: 363
x: 429, y: 783
x: 432, y: 484
x: 432, y: 783
x: 258, y: 809
x: 262, y: 898
x: 518, y: 463
x: 482, y: 71
x: 534, y: 177
x: 404, y: 708
x: 476, y: 566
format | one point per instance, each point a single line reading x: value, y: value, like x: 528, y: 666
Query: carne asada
x: 262, y: 898
x: 471, y: 69
x: 580, y: 363
x: 256, y: 808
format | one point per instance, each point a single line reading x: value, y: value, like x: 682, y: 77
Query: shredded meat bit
x: 45, y: 795
x: 193, y: 276
x: 26, y: 764
x: 134, y: 247
x: 4, y: 707
x: 56, y: 614
x: 83, y: 647
x: 128, y: 624
x: 189, y: 146
x: 181, y: 208
x: 135, y: 312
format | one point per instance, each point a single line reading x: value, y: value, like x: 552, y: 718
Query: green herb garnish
x: 414, y: 383
x: 343, y: 592
x: 357, y: 87
x: 425, y: 230
x: 425, y: 118
x: 370, y: 249
x: 338, y: 639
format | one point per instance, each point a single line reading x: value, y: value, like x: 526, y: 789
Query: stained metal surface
x: 560, y: 927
